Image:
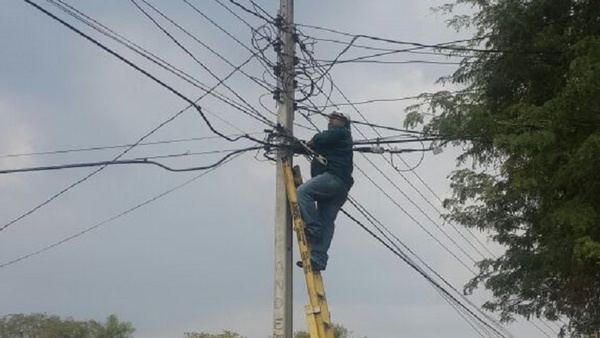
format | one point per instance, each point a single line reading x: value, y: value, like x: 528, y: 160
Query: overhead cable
x: 122, y: 162
x: 99, y: 27
x: 88, y: 176
x: 128, y: 145
x: 111, y: 219
x: 422, y: 273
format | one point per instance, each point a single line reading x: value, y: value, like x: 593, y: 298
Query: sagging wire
x: 132, y: 161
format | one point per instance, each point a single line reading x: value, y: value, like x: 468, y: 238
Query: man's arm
x: 298, y: 148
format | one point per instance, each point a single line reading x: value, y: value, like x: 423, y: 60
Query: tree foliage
x: 340, y: 331
x: 224, y: 334
x: 41, y: 325
x: 113, y: 328
x: 529, y: 122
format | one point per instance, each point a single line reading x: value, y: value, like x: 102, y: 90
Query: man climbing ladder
x: 319, y: 200
x: 321, y: 197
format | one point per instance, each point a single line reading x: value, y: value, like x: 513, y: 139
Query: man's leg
x: 308, y: 193
x: 328, y: 211
x: 329, y: 192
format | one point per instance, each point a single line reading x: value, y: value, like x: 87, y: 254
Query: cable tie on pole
x: 277, y: 95
x: 278, y: 21
x: 277, y: 70
x: 277, y: 45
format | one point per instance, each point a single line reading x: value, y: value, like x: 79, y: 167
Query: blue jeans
x: 320, y: 200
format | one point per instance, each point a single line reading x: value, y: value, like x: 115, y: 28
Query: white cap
x: 340, y: 114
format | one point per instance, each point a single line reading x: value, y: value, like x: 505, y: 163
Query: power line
x: 421, y: 272
x: 450, y: 46
x: 85, y: 178
x: 485, y: 247
x: 373, y: 125
x: 197, y: 10
x: 263, y: 61
x: 412, y: 170
x: 384, y: 100
x: 190, y: 153
x: 98, y: 148
x: 419, y: 208
x: 383, y: 49
x: 383, y: 62
x: 444, y: 45
x: 254, y: 13
x: 190, y: 53
x: 330, y: 64
x: 414, y: 203
x: 379, y: 226
x: 111, y: 219
x: 106, y: 31
x: 139, y: 69
x: 261, y: 50
x: 432, y: 236
x: 428, y: 217
x: 234, y: 13
x: 88, y: 176
x: 414, y: 219
x: 459, y: 308
x: 415, y: 188
x: 264, y: 12
x: 388, y: 196
x: 134, y: 161
x: 261, y: 83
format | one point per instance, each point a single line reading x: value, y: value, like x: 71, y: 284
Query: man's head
x: 338, y: 119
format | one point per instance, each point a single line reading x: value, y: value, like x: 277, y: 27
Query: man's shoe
x: 315, y: 267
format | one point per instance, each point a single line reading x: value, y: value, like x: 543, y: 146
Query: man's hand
x: 297, y: 147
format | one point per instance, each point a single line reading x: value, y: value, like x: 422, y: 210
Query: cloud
x: 18, y: 136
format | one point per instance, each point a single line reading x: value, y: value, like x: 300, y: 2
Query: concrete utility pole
x: 282, y: 306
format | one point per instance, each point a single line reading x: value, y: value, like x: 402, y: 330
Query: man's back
x: 335, y: 144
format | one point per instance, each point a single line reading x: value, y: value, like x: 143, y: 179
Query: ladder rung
x: 312, y: 310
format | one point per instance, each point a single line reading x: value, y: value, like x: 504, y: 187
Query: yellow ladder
x: 317, y: 311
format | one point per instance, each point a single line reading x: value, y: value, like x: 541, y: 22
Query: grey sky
x: 201, y: 258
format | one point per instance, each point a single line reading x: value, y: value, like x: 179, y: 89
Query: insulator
x: 377, y: 149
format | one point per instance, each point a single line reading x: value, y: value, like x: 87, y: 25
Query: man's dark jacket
x: 335, y: 144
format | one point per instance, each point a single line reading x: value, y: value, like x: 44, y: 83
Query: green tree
x: 529, y: 123
x: 301, y: 334
x: 340, y: 331
x: 42, y: 325
x: 113, y: 328
x: 224, y: 334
